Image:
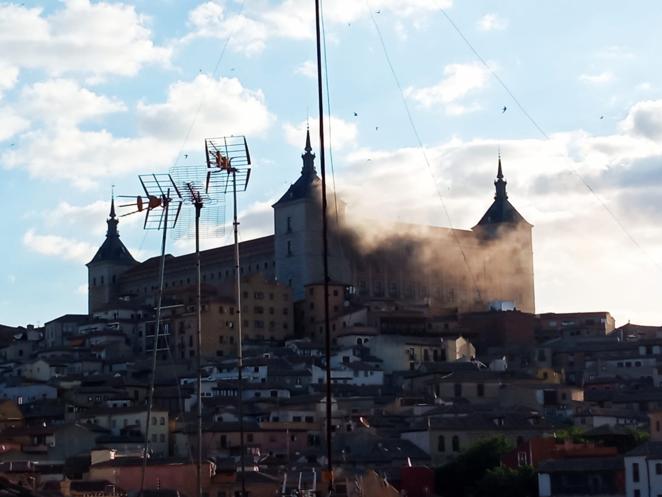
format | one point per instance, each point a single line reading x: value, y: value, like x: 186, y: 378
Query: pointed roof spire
x: 500, y: 183
x: 112, y: 204
x: 499, y: 171
x: 308, y: 168
x: 308, y: 148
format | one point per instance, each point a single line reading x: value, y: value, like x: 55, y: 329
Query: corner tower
x: 506, y: 251
x: 298, y: 232
x: 111, y: 260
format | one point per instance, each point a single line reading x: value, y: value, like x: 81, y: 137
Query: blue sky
x: 94, y: 93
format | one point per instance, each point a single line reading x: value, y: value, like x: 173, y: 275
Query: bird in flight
x: 355, y: 114
x: 504, y: 109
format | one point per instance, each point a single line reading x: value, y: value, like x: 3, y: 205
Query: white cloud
x: 11, y: 123
x: 459, y: 80
x: 290, y: 19
x: 307, y: 69
x: 61, y: 150
x: 343, y: 133
x: 492, y: 22
x: 98, y: 38
x: 71, y: 150
x: 597, y: 79
x: 235, y: 110
x: 618, y: 52
x: 209, y: 20
x: 645, y: 119
x: 54, y: 245
x: 8, y: 77
x: 65, y: 100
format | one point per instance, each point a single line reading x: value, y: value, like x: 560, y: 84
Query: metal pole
x: 240, y: 361
x: 198, y: 208
x: 325, y: 244
x: 166, y: 201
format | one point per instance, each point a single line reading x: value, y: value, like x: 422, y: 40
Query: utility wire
x: 328, y: 110
x: 423, y: 151
x: 535, y: 124
x: 214, y: 72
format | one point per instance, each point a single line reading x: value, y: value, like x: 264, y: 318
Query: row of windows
x: 261, y: 296
x: 259, y: 324
x: 635, y: 471
x: 441, y: 443
x: 628, y: 364
x: 480, y: 390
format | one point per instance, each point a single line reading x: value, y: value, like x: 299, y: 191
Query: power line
x: 214, y: 72
x: 328, y: 110
x: 423, y: 151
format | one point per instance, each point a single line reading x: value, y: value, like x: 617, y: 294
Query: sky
x: 94, y: 93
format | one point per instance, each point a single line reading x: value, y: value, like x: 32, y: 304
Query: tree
x: 458, y: 477
x: 502, y: 481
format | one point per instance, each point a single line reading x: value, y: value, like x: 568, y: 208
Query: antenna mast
x: 325, y: 244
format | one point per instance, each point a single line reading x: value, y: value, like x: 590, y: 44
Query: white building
x: 643, y: 471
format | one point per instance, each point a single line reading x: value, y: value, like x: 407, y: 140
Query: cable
x: 424, y: 153
x: 546, y: 136
x: 204, y: 96
x: 328, y: 110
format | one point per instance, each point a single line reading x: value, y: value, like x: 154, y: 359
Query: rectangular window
x: 635, y: 472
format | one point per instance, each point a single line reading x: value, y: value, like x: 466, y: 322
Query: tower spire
x: 112, y: 220
x: 112, y: 203
x: 499, y: 171
x: 308, y: 168
x: 500, y: 183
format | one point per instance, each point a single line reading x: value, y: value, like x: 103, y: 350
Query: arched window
x: 441, y: 443
x: 456, y: 443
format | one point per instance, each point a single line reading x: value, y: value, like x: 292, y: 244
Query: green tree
x: 503, y: 481
x: 458, y: 477
x: 572, y: 433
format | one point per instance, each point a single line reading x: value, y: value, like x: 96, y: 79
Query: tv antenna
x: 161, y: 203
x: 191, y: 182
x: 229, y: 169
x: 227, y: 161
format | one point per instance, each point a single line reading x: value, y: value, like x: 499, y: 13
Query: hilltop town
x: 437, y: 351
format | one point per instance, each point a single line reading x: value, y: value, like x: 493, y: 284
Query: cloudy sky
x: 94, y: 93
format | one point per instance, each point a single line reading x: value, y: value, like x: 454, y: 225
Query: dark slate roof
x: 308, y: 184
x: 501, y: 210
x: 652, y: 450
x: 112, y: 249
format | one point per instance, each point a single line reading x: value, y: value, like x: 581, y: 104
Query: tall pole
x: 325, y: 250
x: 166, y: 201
x: 198, y: 297
x: 240, y: 354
